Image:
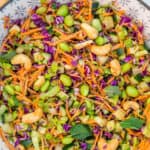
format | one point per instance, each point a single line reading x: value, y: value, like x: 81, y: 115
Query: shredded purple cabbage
x: 114, y: 83
x: 108, y: 135
x: 141, y: 28
x: 59, y: 20
x: 96, y: 130
x: 66, y: 127
x: 38, y: 20
x: 103, y: 83
x: 74, y: 63
x: 49, y: 49
x: 87, y: 70
x: 125, y: 19
x: 128, y: 58
x: 83, y: 146
x: 97, y: 73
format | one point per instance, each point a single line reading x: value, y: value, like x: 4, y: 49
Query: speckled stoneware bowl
x: 137, y: 9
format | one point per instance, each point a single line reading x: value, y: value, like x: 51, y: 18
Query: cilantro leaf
x: 6, y: 57
x: 132, y: 123
x: 112, y: 91
x: 81, y: 131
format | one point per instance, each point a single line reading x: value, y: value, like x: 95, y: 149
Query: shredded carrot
x: 67, y: 111
x: 144, y: 144
x: 131, y: 132
x: 31, y: 31
x: 10, y: 146
x: 95, y: 142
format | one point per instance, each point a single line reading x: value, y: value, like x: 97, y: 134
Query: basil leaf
x: 81, y: 131
x: 138, y: 77
x: 6, y: 57
x: 132, y: 123
x: 112, y: 91
x: 26, y: 143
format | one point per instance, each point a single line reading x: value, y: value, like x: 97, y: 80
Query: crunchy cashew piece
x: 32, y: 117
x: 111, y: 145
x: 115, y: 67
x: 119, y: 114
x: 83, y: 44
x: 91, y: 32
x: 20, y: 147
x: 39, y: 82
x: 22, y: 59
x: 131, y: 105
x: 101, y: 50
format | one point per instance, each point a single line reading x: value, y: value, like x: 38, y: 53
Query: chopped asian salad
x: 75, y: 76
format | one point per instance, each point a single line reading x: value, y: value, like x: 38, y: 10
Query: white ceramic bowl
x: 18, y: 9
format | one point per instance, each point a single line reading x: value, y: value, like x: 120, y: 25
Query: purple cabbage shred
x: 128, y: 58
x: 59, y: 20
x: 83, y: 146
x: 66, y: 127
x: 125, y: 19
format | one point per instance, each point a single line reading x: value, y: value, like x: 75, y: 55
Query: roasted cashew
x: 111, y: 145
x: 91, y: 32
x: 22, y: 59
x: 14, y: 29
x: 115, y: 67
x: 102, y: 59
x: 101, y: 50
x: 131, y: 105
x: 39, y: 82
x: 32, y: 117
x: 58, y: 147
x: 83, y: 44
x: 20, y: 147
x: 119, y: 114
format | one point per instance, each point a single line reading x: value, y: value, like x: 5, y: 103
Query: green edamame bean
x: 69, y: 21
x: 66, y: 80
x: 126, y: 67
x: 63, y: 11
x: 124, y: 95
x: 41, y: 10
x: 100, y: 40
x: 146, y: 79
x: 17, y: 88
x: 132, y: 91
x: 3, y: 108
x: 122, y: 33
x: 52, y: 92
x: 65, y: 47
x: 148, y: 101
x: 67, y: 140
x: 97, y: 24
x: 62, y: 95
x: 45, y: 86
x: 9, y: 89
x: 84, y: 89
x: 54, y: 67
x: 48, y: 136
x: 128, y: 43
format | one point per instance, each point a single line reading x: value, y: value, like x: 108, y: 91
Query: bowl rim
x: 144, y: 4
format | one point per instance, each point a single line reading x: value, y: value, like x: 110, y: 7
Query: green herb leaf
x: 6, y: 57
x: 95, y: 5
x: 112, y: 91
x: 132, y: 123
x: 138, y: 77
x: 26, y: 143
x: 81, y: 131
x: 68, y: 147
